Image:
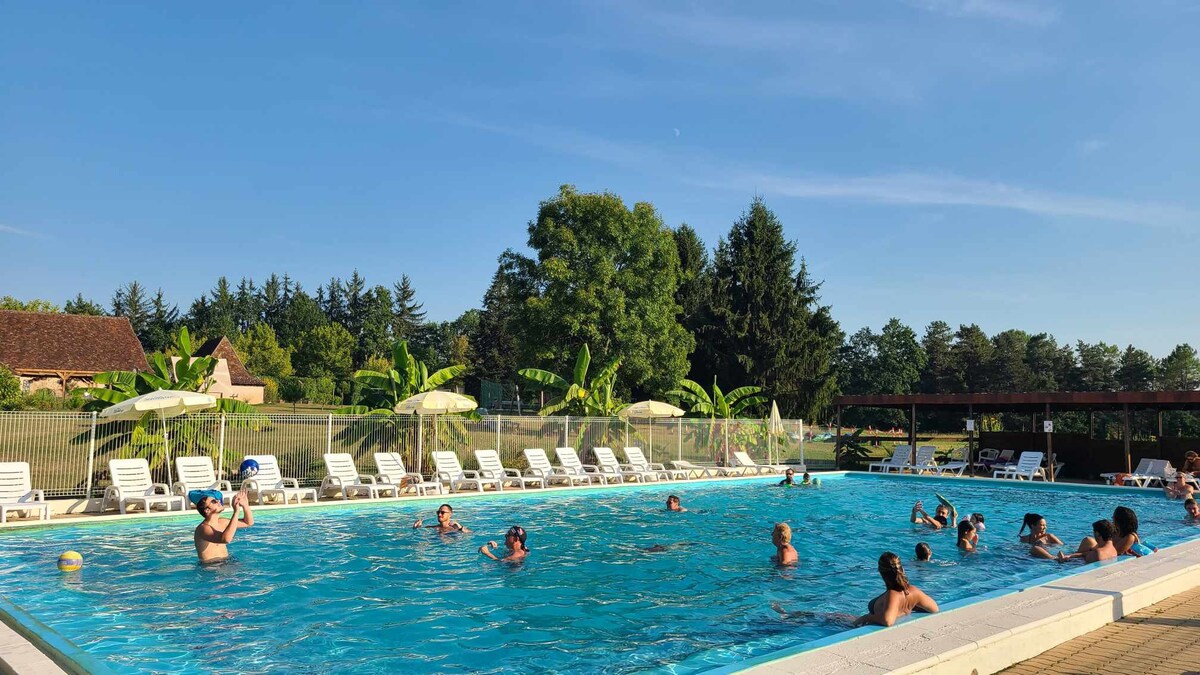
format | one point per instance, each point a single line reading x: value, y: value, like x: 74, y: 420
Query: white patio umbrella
x: 774, y: 429
x: 165, y: 403
x: 434, y: 403
x: 650, y: 410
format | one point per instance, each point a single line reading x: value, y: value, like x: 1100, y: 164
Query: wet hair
x: 1188, y: 502
x: 924, y: 552
x: 672, y: 498
x: 892, y: 572
x: 976, y: 517
x: 447, y: 507
x: 1029, y: 521
x: 782, y: 534
x: 1125, y: 520
x: 1104, y: 530
x: 965, y: 528
x: 519, y: 533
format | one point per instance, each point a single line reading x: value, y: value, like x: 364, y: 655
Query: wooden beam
x: 837, y: 443
x: 1049, y: 447
x: 912, y: 433
x: 1125, y: 434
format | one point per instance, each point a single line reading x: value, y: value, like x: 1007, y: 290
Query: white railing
x: 69, y: 452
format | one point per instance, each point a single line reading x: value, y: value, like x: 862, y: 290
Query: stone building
x: 60, y: 352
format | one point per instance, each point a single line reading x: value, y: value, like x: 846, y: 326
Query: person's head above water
x: 1035, y: 522
x: 977, y: 521
x: 1104, y: 530
x: 1125, y: 520
x: 941, y: 513
x: 924, y: 553
x: 445, y: 513
x: 1191, y: 507
x: 965, y: 530
x: 892, y: 572
x: 206, y: 502
x: 673, y: 503
x: 806, y: 477
x: 790, y: 473
x: 515, y: 538
x: 782, y: 534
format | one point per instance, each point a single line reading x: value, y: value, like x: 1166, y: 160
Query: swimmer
x: 1038, y: 538
x: 977, y: 521
x: 789, y: 478
x: 212, y: 537
x: 1097, y: 547
x: 924, y: 553
x: 1127, y: 541
x: 807, y: 479
x: 446, y: 523
x: 942, y: 516
x: 673, y: 504
x: 806, y: 615
x: 1193, y: 509
x: 1179, y: 488
x: 785, y: 553
x: 662, y: 548
x: 514, y: 541
x: 967, y: 537
x: 900, y: 598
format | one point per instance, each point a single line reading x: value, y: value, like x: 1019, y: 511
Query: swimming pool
x: 357, y: 588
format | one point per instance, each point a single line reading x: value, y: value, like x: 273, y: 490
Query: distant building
x: 230, y: 379
x: 59, y: 352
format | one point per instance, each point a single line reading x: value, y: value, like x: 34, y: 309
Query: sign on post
x: 1048, y: 426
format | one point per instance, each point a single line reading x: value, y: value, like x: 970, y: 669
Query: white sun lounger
x: 1160, y: 472
x: 1028, y: 467
x: 638, y: 461
x: 451, y: 474
x: 196, y: 473
x: 132, y: 485
x: 742, y: 458
x: 344, y: 479
x: 569, y: 460
x: 391, y: 470
x: 268, y: 483
x: 923, y: 461
x: 539, y: 465
x: 490, y: 466
x: 954, y: 466
x: 17, y: 494
x: 897, y: 461
x: 607, y: 461
x: 1136, y: 478
x: 699, y: 470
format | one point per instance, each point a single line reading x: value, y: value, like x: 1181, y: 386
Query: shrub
x: 270, y: 390
x: 10, y: 389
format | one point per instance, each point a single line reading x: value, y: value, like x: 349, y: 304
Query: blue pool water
x: 357, y: 588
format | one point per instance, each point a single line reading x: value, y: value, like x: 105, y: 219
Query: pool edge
x: 28, y: 646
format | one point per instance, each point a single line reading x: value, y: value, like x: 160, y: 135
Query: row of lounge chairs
x: 1149, y: 473
x: 134, y: 487
x: 1027, y: 467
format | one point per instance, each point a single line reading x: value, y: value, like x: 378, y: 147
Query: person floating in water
x: 789, y: 479
x: 1097, y: 547
x: 924, y: 553
x: 807, y: 479
x: 673, y: 504
x: 1039, y: 539
x: 213, y: 536
x: 445, y: 521
x: 1192, y: 509
x: 785, y: 553
x: 514, y: 541
x: 900, y: 597
x: 943, y: 516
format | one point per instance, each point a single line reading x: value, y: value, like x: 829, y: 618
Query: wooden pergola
x: 1034, y: 403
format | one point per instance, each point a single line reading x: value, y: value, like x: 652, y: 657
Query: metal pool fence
x: 68, y: 453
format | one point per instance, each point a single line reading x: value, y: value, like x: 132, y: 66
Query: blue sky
x: 1003, y: 162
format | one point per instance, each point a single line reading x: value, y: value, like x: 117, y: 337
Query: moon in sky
x: 676, y: 132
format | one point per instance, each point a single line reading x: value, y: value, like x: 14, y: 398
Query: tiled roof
x: 221, y: 348
x: 68, y: 342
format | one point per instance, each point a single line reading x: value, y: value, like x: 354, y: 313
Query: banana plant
x: 578, y: 396
x: 718, y: 405
x: 383, y: 391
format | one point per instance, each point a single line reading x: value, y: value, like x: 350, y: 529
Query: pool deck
x: 1161, y: 639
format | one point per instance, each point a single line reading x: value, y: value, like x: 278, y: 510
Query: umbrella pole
x: 651, y: 441
x: 166, y: 448
x: 419, y: 453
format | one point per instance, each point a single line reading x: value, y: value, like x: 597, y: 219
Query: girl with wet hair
x: 1127, y: 540
x: 966, y: 536
x: 1038, y: 538
x: 900, y: 597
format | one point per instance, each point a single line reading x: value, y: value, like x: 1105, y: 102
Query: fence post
x: 329, y: 433
x: 566, y: 430
x: 679, y: 426
x: 221, y: 449
x: 91, y: 459
x: 498, y: 433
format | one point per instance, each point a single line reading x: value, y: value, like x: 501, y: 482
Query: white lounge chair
x: 897, y: 461
x: 344, y: 479
x: 638, y: 461
x: 699, y: 470
x: 742, y: 458
x: 923, y: 461
x: 268, y: 484
x: 1136, y: 478
x: 1028, y: 467
x: 196, y: 473
x: 1002, y: 460
x: 391, y: 470
x: 569, y: 460
x: 17, y: 493
x: 1159, y: 472
x: 490, y: 466
x: 132, y: 485
x: 957, y: 464
x: 451, y: 474
x: 539, y: 465
x: 607, y: 461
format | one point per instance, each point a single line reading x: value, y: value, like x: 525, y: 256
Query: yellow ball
x: 70, y: 562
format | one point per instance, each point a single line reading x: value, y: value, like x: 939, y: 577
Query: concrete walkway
x: 1161, y: 639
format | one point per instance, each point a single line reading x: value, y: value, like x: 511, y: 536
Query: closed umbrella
x: 164, y: 403
x: 774, y: 429
x: 650, y: 410
x: 434, y: 403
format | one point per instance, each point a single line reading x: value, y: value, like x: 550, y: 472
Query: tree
x: 1180, y: 370
x: 9, y: 302
x: 130, y: 301
x: 382, y: 391
x: 971, y: 355
x: 938, y: 376
x: 1009, y: 372
x: 324, y: 351
x: 334, y: 304
x: 770, y: 329
x: 605, y: 275
x: 578, y: 395
x: 247, y: 305
x: 497, y: 349
x: 1051, y: 367
x: 900, y: 359
x: 1097, y: 366
x: 375, y: 324
x: 83, y: 306
x: 718, y: 405
x: 355, y: 309
x: 856, y: 363
x: 301, y: 315
x: 407, y: 315
x: 694, y: 297
x: 10, y: 389
x: 273, y: 297
x: 161, y: 325
x: 260, y: 352
x: 1137, y: 370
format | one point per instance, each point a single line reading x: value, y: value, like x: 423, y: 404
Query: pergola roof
x: 1032, y: 401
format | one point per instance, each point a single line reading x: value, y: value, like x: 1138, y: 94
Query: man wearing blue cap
x: 214, y: 534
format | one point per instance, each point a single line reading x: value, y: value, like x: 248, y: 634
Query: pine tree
x: 356, y: 308
x: 408, y: 314
x: 1051, y: 367
x: 164, y: 321
x: 1009, y: 371
x: 1180, y: 370
x: 1097, y: 366
x: 130, y: 301
x: 1137, y: 370
x: 375, y: 337
x: 247, y: 306
x: 496, y: 346
x: 971, y: 355
x: 80, y: 305
x: 938, y: 376
x: 334, y: 304
x: 693, y: 298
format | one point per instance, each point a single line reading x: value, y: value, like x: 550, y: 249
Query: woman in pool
x: 924, y: 553
x: 1097, y: 547
x: 1039, y: 539
x: 785, y: 553
x: 1127, y: 541
x: 1178, y: 488
x: 1191, y: 463
x: 900, y: 599
x: 967, y: 537
x: 673, y: 504
x: 514, y: 541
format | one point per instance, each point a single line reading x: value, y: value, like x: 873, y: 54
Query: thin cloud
x: 8, y: 229
x: 1002, y: 10
x: 1092, y: 145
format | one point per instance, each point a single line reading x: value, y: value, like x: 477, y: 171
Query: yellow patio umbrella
x: 435, y: 402
x: 649, y: 410
x: 165, y: 403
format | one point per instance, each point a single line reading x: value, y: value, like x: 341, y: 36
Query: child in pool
x: 1097, y: 547
x: 785, y: 553
x: 514, y: 541
x: 1193, y: 509
x: 924, y: 553
x: 967, y: 536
